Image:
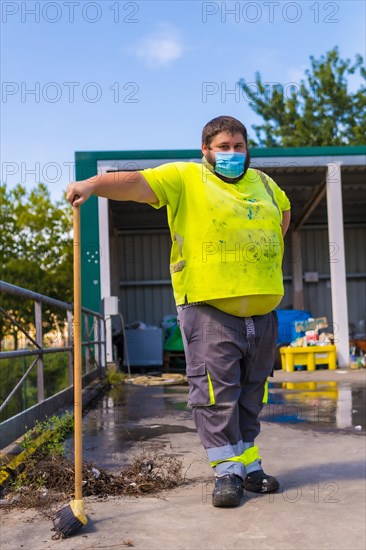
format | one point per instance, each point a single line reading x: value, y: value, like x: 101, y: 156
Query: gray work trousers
x: 228, y: 361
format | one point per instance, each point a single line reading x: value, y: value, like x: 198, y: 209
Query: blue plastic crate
x: 286, y: 324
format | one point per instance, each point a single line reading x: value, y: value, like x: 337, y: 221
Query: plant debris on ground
x: 49, y: 480
x: 46, y: 476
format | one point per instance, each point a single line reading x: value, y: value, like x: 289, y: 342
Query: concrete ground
x: 321, y: 503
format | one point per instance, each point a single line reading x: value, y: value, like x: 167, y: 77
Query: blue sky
x: 115, y: 75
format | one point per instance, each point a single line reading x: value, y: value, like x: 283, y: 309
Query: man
x: 227, y: 224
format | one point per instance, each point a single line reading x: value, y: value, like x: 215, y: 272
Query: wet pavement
x: 127, y: 415
x: 311, y: 444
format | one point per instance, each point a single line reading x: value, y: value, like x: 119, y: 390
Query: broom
x: 71, y: 518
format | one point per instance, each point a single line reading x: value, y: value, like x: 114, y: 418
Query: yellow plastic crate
x: 309, y: 356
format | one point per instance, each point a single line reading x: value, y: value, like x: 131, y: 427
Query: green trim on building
x: 90, y: 247
x: 91, y: 157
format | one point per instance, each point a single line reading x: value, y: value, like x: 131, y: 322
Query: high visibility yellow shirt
x: 227, y: 244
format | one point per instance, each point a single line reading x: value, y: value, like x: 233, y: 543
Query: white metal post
x: 96, y: 338
x: 337, y: 262
x: 102, y: 347
x: 105, y: 267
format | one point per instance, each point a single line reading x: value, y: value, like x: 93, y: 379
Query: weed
x: 57, y: 428
x: 45, y: 441
x: 114, y: 378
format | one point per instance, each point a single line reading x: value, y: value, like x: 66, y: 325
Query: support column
x: 337, y: 263
x: 105, y: 267
x: 297, y: 285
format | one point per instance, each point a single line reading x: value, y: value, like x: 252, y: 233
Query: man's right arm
x: 119, y: 186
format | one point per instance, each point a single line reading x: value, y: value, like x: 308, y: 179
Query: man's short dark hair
x: 223, y: 124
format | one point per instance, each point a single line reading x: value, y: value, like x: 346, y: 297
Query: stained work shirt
x: 227, y: 242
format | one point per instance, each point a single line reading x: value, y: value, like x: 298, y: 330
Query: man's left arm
x: 283, y: 205
x: 286, y: 217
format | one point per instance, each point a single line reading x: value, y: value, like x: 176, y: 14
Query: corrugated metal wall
x: 144, y: 256
x: 143, y: 285
x: 356, y: 288
x: 316, y: 257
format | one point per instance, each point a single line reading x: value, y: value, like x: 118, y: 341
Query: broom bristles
x: 69, y: 519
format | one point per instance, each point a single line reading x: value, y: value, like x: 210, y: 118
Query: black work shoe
x: 259, y: 482
x: 228, y: 491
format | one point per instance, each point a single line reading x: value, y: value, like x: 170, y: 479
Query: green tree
x: 318, y: 111
x: 36, y: 253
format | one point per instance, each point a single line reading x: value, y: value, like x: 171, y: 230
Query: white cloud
x: 160, y: 48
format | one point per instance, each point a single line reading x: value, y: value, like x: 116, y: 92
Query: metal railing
x: 94, y: 345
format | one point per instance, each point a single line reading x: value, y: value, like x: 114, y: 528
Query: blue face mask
x: 230, y: 165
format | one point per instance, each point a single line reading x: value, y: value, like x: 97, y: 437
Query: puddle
x: 128, y: 415
x: 327, y: 405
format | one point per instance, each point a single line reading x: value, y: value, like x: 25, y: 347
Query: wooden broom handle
x: 77, y: 356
